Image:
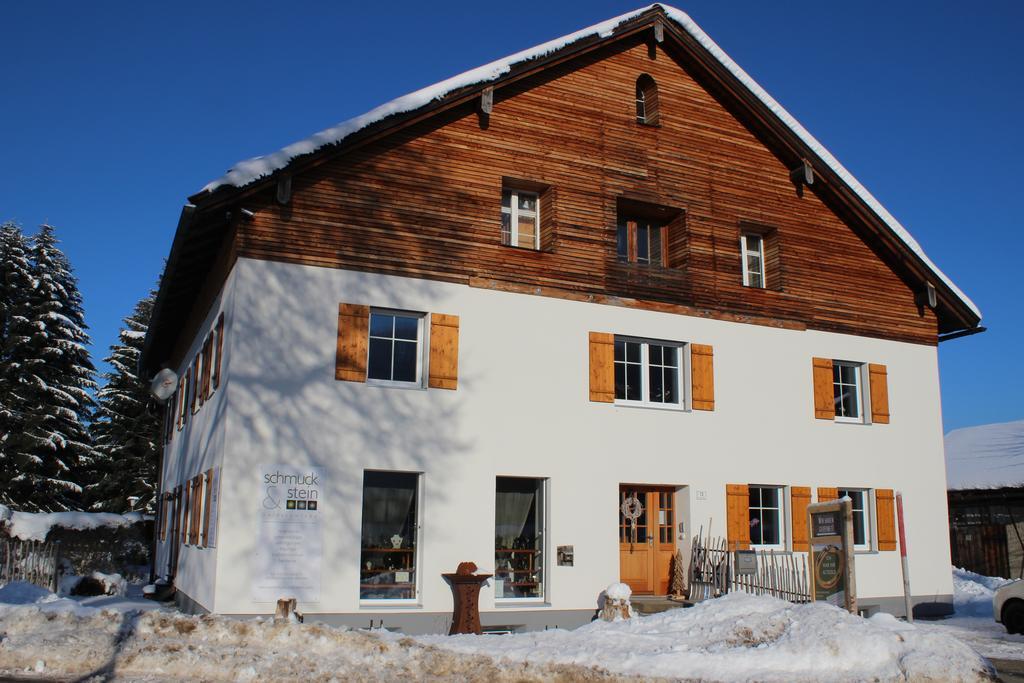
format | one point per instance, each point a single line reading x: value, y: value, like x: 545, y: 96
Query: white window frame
x: 869, y: 518
x: 783, y: 509
x: 746, y: 251
x: 858, y: 386
x: 421, y: 345
x: 544, y: 508
x: 513, y: 212
x: 417, y: 555
x: 645, y: 367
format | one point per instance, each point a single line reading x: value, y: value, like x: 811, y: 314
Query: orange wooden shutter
x: 878, y: 385
x: 193, y: 381
x: 799, y: 499
x: 197, y: 507
x: 353, y: 338
x: 602, y: 367
x: 207, y: 366
x: 824, y: 398
x: 737, y: 516
x: 663, y: 231
x: 184, y: 512
x: 702, y: 377
x: 444, y: 351
x: 180, y: 400
x: 206, y: 507
x: 220, y: 351
x: 826, y: 493
x: 885, y: 507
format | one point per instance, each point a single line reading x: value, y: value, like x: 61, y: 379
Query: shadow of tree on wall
x: 286, y: 405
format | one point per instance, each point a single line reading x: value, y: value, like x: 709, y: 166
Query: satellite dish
x: 163, y: 385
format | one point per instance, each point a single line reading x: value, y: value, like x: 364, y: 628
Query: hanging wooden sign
x: 832, y: 565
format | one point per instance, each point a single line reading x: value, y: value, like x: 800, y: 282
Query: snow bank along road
x: 735, y: 638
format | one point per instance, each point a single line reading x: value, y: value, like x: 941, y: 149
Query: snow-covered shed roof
x: 245, y: 172
x: 985, y: 457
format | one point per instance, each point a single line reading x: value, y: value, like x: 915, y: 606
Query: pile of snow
x: 744, y: 637
x: 972, y: 593
x: 34, y: 526
x: 23, y: 593
x: 986, y: 456
x: 738, y: 637
x: 618, y: 591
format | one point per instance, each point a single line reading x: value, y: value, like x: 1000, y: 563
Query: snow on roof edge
x: 249, y: 170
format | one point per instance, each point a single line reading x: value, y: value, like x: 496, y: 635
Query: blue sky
x: 113, y: 113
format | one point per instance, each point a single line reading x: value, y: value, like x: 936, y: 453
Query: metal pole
x: 903, y: 559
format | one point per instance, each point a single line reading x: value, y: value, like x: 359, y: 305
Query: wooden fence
x: 32, y: 561
x: 713, y: 572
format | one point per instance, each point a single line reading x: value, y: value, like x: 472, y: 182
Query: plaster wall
x: 522, y: 409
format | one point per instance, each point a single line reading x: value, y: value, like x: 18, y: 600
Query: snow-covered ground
x: 736, y: 638
x: 973, y: 623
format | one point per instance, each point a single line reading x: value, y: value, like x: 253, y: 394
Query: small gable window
x: 646, y: 100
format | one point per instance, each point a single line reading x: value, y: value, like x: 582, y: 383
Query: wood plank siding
x: 425, y: 202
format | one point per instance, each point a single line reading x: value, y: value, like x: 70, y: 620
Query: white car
x: 1008, y: 606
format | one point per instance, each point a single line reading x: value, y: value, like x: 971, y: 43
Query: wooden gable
x: 419, y: 196
x: 425, y: 202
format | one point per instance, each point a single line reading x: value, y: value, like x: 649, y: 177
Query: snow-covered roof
x: 250, y: 170
x: 34, y: 526
x: 985, y: 457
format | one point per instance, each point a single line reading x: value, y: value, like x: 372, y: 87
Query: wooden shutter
x: 180, y: 400
x: 220, y: 351
x: 878, y: 385
x: 193, y: 381
x: 737, y: 516
x: 207, y: 366
x: 208, y: 497
x: 200, y: 364
x: 799, y: 499
x: 444, y: 351
x: 602, y: 367
x: 826, y: 493
x: 184, y: 512
x: 885, y: 508
x: 702, y: 377
x: 824, y: 396
x: 197, y: 507
x: 353, y: 338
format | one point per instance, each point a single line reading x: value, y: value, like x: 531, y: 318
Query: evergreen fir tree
x: 15, y: 285
x: 126, y: 432
x: 50, y: 451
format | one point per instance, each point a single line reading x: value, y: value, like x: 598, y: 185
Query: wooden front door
x: 646, y: 549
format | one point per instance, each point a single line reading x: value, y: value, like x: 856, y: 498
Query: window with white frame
x: 388, y: 558
x: 394, y: 348
x: 752, y: 249
x: 520, y: 219
x: 861, y: 517
x: 767, y: 514
x: 847, y: 391
x: 519, y: 538
x: 648, y: 372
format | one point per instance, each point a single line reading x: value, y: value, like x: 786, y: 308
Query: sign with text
x: 832, y: 566
x: 289, y: 539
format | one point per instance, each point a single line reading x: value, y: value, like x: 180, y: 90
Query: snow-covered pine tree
x: 53, y: 448
x: 126, y: 433
x: 15, y: 285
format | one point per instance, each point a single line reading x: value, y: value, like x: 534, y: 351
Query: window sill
x: 395, y: 604
x: 849, y: 421
x: 672, y: 408
x: 506, y: 603
x: 389, y: 384
x: 536, y: 250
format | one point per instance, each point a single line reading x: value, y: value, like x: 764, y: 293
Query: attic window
x: 646, y: 100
